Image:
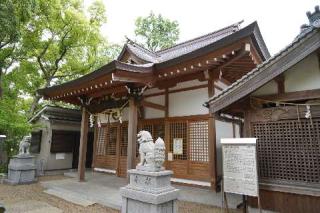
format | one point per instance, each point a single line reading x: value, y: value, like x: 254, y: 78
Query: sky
x: 279, y: 21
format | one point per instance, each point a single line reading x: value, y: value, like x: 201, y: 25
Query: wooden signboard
x: 239, y: 163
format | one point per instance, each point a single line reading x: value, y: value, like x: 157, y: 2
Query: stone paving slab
x: 31, y: 206
x: 69, y: 196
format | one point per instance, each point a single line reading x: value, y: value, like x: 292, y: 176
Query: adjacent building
x: 55, y: 140
x: 279, y: 104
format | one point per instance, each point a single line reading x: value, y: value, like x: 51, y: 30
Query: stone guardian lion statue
x: 152, y: 155
x: 25, y: 145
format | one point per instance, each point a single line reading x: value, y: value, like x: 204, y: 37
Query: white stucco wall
x: 154, y: 113
x: 267, y: 89
x: 188, y: 103
x: 303, y: 76
x: 66, y: 163
x: 223, y: 130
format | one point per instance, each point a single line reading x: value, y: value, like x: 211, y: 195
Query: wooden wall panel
x: 287, y: 202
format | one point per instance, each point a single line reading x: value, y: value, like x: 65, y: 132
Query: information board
x: 240, y: 166
x: 178, y: 146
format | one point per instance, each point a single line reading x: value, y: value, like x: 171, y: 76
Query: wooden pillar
x: 95, y: 138
x: 166, y: 103
x: 132, y: 133
x: 212, y: 141
x: 83, y: 145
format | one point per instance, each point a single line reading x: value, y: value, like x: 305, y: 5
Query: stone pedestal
x: 149, y: 192
x: 21, y: 170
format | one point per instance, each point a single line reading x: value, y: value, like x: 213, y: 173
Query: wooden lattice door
x: 187, y: 143
x: 122, y: 171
x: 107, y: 147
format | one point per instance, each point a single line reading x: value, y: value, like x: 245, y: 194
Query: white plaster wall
x: 223, y: 130
x: 303, y: 76
x: 267, y: 89
x: 66, y: 163
x: 154, y: 113
x: 188, y: 102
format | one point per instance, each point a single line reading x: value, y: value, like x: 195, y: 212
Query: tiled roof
x: 58, y: 113
x: 181, y: 48
x: 261, y: 67
x: 197, y: 43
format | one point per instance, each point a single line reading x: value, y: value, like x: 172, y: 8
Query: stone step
x: 69, y: 196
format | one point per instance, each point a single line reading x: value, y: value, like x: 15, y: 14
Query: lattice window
x: 112, y: 140
x: 101, y: 140
x: 179, y: 130
x: 198, y: 137
x: 124, y: 140
x: 289, y: 150
x: 156, y: 129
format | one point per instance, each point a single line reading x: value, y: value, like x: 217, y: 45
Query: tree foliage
x: 156, y: 32
x: 43, y: 43
x: 13, y: 15
x: 61, y: 43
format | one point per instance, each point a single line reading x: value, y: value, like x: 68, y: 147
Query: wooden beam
x: 234, y: 58
x: 182, y: 90
x: 83, y: 145
x: 105, y: 104
x: 280, y: 83
x: 167, y: 83
x: 153, y: 105
x: 132, y: 77
x: 132, y: 134
x: 292, y: 96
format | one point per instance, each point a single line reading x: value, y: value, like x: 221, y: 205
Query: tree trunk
x: 36, y: 100
x: 34, y: 105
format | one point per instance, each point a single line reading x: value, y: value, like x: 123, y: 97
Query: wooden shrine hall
x: 279, y: 103
x: 163, y: 92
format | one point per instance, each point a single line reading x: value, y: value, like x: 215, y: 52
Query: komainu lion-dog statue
x: 24, y: 145
x: 152, y: 155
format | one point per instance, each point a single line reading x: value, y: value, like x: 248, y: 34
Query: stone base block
x: 149, y: 192
x: 21, y: 170
x: 135, y: 206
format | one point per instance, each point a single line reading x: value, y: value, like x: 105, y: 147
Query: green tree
x: 155, y: 32
x: 13, y: 15
x: 62, y: 42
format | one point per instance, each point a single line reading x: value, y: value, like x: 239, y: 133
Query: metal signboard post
x: 240, y: 171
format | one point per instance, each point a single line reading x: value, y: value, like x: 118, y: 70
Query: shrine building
x: 278, y: 103
x: 163, y: 92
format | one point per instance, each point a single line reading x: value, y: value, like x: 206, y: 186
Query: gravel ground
x: 13, y: 194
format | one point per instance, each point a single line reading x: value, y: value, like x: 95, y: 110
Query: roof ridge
x: 129, y: 41
x: 200, y: 37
